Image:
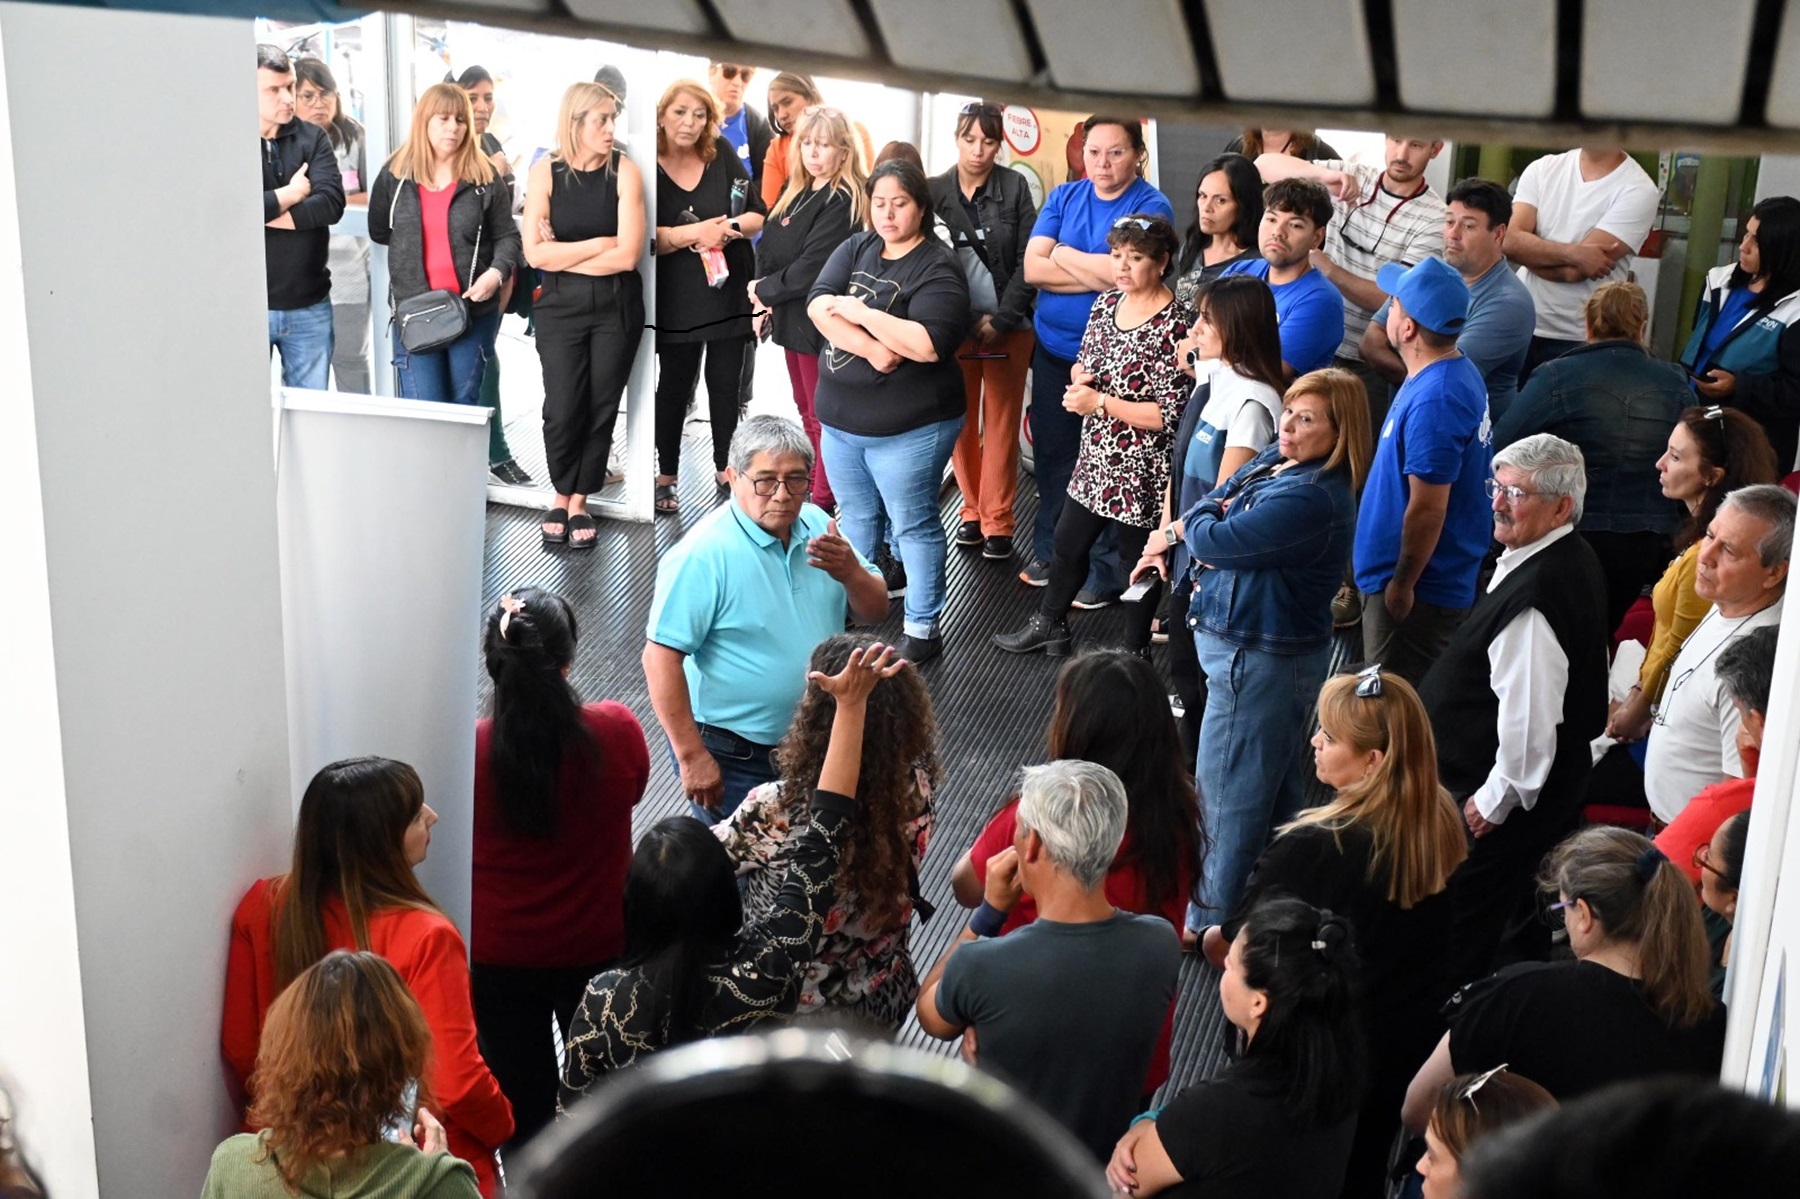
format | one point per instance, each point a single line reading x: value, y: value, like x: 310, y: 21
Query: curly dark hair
x: 900, y: 738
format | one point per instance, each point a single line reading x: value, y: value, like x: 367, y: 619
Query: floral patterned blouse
x: 1122, y: 472
x: 858, y: 969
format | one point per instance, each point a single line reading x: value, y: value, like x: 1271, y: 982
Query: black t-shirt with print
x: 926, y: 285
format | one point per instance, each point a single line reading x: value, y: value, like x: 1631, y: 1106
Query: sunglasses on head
x: 1133, y: 222
x: 819, y: 110
x: 977, y: 108
x: 1467, y: 1090
x: 729, y: 70
x: 1368, y: 682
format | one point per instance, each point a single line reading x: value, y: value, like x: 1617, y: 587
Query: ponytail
x: 528, y: 643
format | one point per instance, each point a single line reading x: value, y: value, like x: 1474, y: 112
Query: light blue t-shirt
x: 1437, y: 430
x: 1075, y: 216
x: 1496, y: 334
x: 747, y: 612
x: 1310, y: 311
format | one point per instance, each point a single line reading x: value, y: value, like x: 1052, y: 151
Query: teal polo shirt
x: 747, y: 612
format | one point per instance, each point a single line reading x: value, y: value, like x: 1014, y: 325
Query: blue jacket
x: 1764, y: 354
x: 1276, y: 556
x: 1618, y: 404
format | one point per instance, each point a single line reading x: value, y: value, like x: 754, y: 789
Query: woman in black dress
x: 708, y: 209
x: 584, y: 229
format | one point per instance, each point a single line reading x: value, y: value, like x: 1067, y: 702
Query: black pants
x: 1494, y: 893
x: 1630, y: 562
x: 1077, y: 530
x: 680, y: 368
x: 513, y: 1009
x: 588, y: 330
x: 1185, y: 674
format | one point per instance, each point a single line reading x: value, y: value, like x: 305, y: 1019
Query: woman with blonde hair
x: 1381, y: 852
x: 825, y: 199
x: 710, y: 209
x: 1635, y: 1002
x: 447, y: 221
x: 584, y: 231
x: 341, y: 1095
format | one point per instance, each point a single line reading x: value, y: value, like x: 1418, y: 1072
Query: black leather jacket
x: 1007, y: 215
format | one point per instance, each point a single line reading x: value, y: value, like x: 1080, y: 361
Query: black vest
x: 1565, y: 584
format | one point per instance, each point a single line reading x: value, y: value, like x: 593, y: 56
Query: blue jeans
x: 743, y: 767
x: 1055, y: 444
x: 302, y: 336
x: 453, y: 374
x: 1258, y: 708
x: 903, y: 474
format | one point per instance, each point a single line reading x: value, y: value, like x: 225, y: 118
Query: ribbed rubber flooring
x: 992, y: 708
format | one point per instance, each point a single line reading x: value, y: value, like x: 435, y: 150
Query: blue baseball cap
x: 1432, y: 293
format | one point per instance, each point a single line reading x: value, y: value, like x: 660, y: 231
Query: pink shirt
x: 434, y: 215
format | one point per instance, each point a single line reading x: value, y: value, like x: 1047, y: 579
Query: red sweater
x: 560, y: 901
x: 1124, y: 890
x: 427, y: 951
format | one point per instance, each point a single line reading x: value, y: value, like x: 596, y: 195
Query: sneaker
x: 968, y: 533
x: 1036, y: 574
x: 893, y: 572
x: 998, y: 547
x: 1346, y: 608
x: 1039, y: 633
x: 510, y: 473
x: 920, y: 650
x: 1088, y: 601
x: 1159, y: 631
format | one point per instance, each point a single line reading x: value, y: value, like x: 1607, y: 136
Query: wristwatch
x: 735, y: 227
x: 1100, y: 405
x: 1169, y: 535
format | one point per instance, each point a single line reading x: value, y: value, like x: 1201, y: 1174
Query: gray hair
x: 1774, y: 505
x: 767, y: 435
x: 1078, y: 809
x: 1746, y: 668
x: 1556, y: 467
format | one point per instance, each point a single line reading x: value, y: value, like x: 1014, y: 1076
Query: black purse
x: 432, y: 319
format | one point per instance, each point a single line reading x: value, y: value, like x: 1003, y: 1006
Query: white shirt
x: 1376, y: 228
x: 1623, y: 203
x: 1693, y: 742
x: 1529, y: 672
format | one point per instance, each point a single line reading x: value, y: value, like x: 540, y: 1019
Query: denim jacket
x: 1617, y: 403
x: 1274, y: 558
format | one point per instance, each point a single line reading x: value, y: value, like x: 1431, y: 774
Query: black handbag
x: 432, y: 319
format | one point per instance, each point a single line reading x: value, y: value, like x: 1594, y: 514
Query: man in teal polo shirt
x: 740, y: 603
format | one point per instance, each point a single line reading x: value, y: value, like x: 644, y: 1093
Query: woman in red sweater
x: 363, y: 826
x: 555, y: 783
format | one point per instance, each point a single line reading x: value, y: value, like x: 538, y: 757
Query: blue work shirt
x: 1310, y: 311
x: 747, y: 611
x: 1077, y: 217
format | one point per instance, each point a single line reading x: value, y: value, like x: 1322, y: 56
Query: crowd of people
x: 1340, y: 400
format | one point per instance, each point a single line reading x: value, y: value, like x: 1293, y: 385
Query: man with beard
x: 1296, y: 214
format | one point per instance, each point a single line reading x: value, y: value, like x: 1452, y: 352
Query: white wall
x: 144, y: 315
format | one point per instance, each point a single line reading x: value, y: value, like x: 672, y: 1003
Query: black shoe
x: 968, y: 533
x: 997, y: 547
x: 920, y: 650
x: 1039, y: 633
x: 1089, y: 601
x: 510, y: 473
x: 1036, y: 573
x: 893, y: 573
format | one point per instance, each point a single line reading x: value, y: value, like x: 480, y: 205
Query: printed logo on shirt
x: 1387, y: 430
x: 1771, y: 324
x: 873, y: 291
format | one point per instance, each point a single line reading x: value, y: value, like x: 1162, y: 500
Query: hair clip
x: 1648, y: 863
x: 510, y: 606
x: 1319, y: 945
x: 1714, y: 412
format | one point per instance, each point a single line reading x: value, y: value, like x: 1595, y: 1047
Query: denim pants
x: 453, y: 374
x: 1258, y: 708
x: 901, y: 473
x: 302, y: 336
x: 1055, y: 443
x: 744, y: 765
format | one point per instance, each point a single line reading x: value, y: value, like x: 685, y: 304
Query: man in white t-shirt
x: 1578, y: 217
x: 1743, y: 570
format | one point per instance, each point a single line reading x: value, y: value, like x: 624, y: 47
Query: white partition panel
x: 381, y: 505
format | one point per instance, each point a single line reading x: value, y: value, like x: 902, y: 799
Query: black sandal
x: 581, y: 522
x: 556, y: 516
x: 667, y: 501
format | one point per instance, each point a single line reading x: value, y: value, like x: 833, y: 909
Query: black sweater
x: 482, y: 234
x: 294, y: 259
x: 793, y: 249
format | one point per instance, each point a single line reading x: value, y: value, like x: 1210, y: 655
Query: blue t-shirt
x: 1731, y: 314
x: 736, y: 130
x: 1502, y: 316
x: 1310, y: 311
x: 1077, y: 217
x: 1438, y: 431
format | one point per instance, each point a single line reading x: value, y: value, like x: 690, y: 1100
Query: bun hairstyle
x: 1640, y: 898
x: 528, y: 643
x: 1304, y: 960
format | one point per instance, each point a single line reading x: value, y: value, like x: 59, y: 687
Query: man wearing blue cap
x: 1423, y: 526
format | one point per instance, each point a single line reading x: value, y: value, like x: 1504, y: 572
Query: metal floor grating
x: 992, y: 708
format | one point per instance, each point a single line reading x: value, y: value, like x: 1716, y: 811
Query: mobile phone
x: 982, y: 355
x: 1138, y: 590
x: 399, y: 1126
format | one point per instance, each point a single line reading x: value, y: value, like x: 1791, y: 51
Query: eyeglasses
x: 1344, y: 233
x: 1513, y: 493
x: 732, y: 71
x: 1703, y: 861
x: 1116, y: 154
x: 1368, y: 682
x: 1556, y: 915
x: 1130, y: 222
x: 765, y: 485
x: 1468, y: 1090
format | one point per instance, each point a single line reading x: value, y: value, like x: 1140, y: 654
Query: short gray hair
x: 1774, y: 505
x: 1078, y: 809
x: 768, y: 435
x: 1556, y: 467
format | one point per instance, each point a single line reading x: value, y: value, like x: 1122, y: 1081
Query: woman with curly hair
x: 864, y: 965
x: 341, y: 1095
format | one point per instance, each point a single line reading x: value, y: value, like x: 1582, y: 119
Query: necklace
x: 802, y: 202
x: 1662, y: 709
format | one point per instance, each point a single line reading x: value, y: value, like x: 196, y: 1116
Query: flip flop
x: 556, y: 516
x: 581, y: 522
x: 666, y: 500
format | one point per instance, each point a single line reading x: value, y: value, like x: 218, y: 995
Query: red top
x: 1124, y: 890
x: 427, y: 951
x: 559, y: 901
x: 434, y: 215
x: 1699, y: 822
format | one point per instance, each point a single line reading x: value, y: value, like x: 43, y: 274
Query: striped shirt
x: 1376, y: 228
